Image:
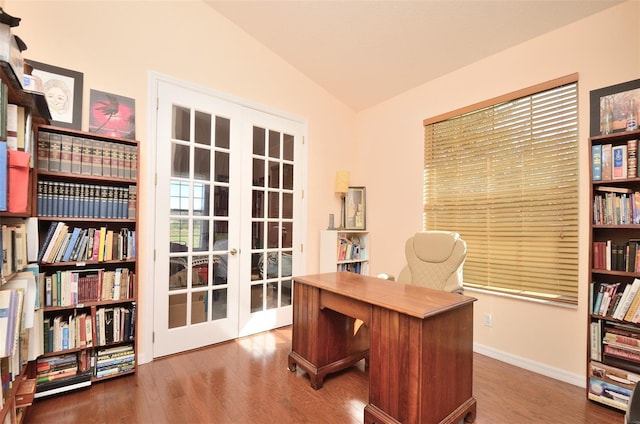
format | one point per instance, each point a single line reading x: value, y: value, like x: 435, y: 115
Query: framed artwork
x: 63, y: 91
x: 612, y: 104
x: 355, y: 209
x: 112, y: 114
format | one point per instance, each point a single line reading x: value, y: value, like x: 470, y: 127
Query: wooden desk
x: 419, y: 344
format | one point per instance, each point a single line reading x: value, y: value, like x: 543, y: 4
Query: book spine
x: 66, y: 151
x: 619, y: 158
x: 596, y: 163
x: 76, y: 155
x: 43, y: 151
x: 87, y: 156
x: 96, y: 167
x: 55, y: 145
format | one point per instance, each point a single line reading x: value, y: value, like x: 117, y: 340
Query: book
x: 66, y: 152
x: 126, y: 150
x: 596, y: 340
x: 629, y: 293
x: 107, y: 153
x: 101, y: 247
x: 4, y: 103
x: 610, y: 189
x: 87, y: 156
x: 96, y: 164
x: 55, y: 146
x: 76, y: 155
x: 108, y: 246
x: 22, y: 139
x: 72, y: 243
x: 62, y: 248
x: 50, y: 242
x: 596, y: 162
x: 12, y: 126
x: 632, y: 158
x: 134, y: 162
x: 5, y: 312
x: 619, y: 166
x: 131, y: 208
x: 121, y: 159
x: 43, y: 151
x: 49, y: 235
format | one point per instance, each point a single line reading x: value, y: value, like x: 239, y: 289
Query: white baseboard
x: 546, y: 370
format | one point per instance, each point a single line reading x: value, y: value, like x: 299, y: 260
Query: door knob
x: 233, y: 251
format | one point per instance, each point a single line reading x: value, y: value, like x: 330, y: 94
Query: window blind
x: 505, y: 176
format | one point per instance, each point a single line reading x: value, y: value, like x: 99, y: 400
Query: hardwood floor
x: 247, y: 381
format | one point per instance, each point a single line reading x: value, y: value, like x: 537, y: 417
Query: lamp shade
x: 342, y: 182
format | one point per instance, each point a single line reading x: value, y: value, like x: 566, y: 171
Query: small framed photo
x: 112, y: 114
x: 63, y: 91
x: 612, y: 105
x: 355, y: 209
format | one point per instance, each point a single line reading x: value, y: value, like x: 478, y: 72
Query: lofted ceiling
x: 366, y: 51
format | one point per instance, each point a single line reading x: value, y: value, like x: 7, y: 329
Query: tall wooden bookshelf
x: 613, y: 358
x: 344, y: 250
x: 86, y: 200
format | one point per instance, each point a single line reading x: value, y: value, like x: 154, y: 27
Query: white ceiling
x: 366, y: 51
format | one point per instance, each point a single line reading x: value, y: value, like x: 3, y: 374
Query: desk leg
x: 323, y: 341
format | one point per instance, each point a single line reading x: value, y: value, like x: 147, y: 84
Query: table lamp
x: 341, y: 188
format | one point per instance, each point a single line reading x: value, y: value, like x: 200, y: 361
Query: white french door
x: 227, y: 241
x: 270, y: 204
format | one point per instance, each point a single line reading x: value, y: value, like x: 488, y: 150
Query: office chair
x: 632, y: 416
x: 435, y: 260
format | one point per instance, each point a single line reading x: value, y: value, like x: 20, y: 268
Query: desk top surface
x: 409, y: 299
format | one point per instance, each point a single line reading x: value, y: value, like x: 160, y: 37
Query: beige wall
x: 604, y: 49
x: 116, y: 44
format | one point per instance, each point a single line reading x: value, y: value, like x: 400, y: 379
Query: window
x: 504, y: 174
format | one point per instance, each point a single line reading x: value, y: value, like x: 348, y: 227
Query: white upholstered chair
x: 435, y: 260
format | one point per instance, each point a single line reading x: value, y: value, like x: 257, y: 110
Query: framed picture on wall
x: 355, y: 209
x: 63, y: 91
x: 610, y: 107
x: 112, y: 114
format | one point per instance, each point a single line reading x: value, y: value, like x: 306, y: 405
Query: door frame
x: 147, y: 200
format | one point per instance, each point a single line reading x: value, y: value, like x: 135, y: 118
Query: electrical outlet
x: 488, y: 320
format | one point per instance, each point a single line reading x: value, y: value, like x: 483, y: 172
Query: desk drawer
x: 346, y: 306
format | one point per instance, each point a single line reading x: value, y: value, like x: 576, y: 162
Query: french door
x: 227, y: 241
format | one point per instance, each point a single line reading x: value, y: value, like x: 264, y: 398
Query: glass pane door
x: 275, y: 239
x: 197, y: 211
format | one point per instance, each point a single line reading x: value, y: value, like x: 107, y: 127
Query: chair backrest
x: 632, y: 416
x: 435, y: 259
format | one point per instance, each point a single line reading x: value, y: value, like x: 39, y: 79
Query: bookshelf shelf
x: 87, y: 217
x: 613, y: 364
x: 344, y: 250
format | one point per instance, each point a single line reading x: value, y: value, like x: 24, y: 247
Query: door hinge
x: 302, y: 248
x: 153, y: 337
x: 157, y: 103
x: 302, y: 194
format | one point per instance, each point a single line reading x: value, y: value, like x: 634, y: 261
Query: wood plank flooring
x: 247, y: 381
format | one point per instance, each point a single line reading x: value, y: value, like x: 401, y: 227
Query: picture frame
x: 619, y: 95
x: 112, y: 114
x: 355, y: 209
x: 63, y: 92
